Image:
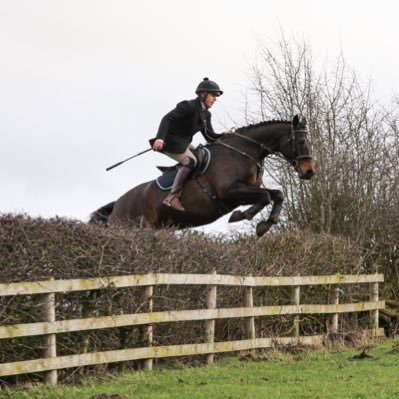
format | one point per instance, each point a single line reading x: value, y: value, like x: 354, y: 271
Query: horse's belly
x: 133, y: 206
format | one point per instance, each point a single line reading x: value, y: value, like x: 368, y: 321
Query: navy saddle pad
x: 165, y: 181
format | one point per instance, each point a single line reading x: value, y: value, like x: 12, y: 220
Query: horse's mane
x: 243, y: 129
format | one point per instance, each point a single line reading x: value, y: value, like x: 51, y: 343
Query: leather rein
x: 290, y: 140
x: 243, y: 153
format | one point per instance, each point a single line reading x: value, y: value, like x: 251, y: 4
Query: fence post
x: 250, y: 323
x: 295, y: 297
x: 334, y: 300
x: 210, y: 324
x: 50, y: 340
x: 148, y: 293
x: 374, y: 314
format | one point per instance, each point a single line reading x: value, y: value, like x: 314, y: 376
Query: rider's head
x: 208, y: 91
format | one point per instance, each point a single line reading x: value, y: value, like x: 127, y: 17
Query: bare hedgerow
x: 33, y: 249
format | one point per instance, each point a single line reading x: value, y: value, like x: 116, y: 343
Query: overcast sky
x: 84, y: 83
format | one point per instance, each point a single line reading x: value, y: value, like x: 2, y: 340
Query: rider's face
x: 209, y: 99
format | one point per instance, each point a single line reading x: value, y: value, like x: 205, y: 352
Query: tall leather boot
x: 174, y: 197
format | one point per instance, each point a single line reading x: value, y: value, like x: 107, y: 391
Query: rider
x: 176, y: 132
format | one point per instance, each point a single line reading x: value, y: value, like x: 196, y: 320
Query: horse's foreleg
x: 254, y: 209
x: 242, y: 194
x: 248, y: 214
x: 277, y: 199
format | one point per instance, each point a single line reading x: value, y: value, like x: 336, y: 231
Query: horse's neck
x: 271, y: 135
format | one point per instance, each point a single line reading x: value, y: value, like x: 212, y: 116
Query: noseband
x: 291, y: 140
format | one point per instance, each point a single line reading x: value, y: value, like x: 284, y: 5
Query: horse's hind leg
x: 101, y: 215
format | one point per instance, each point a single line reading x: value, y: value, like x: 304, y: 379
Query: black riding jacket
x: 178, y: 126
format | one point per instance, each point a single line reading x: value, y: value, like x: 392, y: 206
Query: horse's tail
x: 100, y: 216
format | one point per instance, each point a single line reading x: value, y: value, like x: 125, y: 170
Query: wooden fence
x: 50, y: 327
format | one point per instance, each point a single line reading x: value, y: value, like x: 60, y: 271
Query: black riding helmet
x: 208, y: 86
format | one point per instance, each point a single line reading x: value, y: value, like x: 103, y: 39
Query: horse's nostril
x: 309, y: 173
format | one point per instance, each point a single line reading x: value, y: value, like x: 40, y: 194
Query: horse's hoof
x: 262, y: 228
x: 236, y: 216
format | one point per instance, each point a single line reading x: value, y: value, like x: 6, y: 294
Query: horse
x: 233, y: 178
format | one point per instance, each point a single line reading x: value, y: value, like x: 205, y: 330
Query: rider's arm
x: 208, y: 132
x: 182, y: 111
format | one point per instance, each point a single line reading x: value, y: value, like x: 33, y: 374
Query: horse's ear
x: 295, y: 121
x: 304, y: 121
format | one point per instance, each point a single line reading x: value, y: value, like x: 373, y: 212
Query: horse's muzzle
x: 305, y: 168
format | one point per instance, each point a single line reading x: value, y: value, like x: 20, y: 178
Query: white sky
x: 84, y: 83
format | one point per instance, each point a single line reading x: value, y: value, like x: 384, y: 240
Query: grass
x: 305, y: 374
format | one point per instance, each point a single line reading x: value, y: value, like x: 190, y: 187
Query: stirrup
x: 173, y: 201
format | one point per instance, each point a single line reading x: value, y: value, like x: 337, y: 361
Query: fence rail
x: 51, y: 327
x: 150, y: 279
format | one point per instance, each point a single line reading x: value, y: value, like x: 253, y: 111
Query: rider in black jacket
x: 176, y: 132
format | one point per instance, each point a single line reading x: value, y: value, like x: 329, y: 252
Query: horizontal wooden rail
x: 50, y: 327
x: 87, y: 284
x: 93, y: 323
x: 33, y: 366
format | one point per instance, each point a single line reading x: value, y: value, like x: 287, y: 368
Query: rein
x: 265, y: 148
x: 240, y: 152
x: 261, y: 145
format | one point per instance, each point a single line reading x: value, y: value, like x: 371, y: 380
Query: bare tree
x: 356, y: 147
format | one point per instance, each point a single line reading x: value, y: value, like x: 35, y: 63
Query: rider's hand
x: 229, y: 132
x: 158, y: 145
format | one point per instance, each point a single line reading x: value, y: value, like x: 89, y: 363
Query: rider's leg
x: 181, y: 157
x: 188, y: 162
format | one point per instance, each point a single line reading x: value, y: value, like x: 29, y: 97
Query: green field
x: 335, y: 373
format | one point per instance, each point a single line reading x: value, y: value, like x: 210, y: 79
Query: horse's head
x: 297, y: 148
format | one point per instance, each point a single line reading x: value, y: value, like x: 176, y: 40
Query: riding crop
x: 127, y: 159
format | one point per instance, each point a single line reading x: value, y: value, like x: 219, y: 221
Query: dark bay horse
x: 233, y: 178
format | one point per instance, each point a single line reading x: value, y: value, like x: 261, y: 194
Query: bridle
x: 268, y: 151
x: 291, y: 140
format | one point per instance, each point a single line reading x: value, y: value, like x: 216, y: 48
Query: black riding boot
x: 173, y: 199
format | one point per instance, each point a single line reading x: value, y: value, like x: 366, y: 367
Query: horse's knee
x: 276, y: 196
x: 265, y: 199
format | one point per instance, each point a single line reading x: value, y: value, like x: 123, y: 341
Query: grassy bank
x: 304, y: 374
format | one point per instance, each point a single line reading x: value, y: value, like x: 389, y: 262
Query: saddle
x: 165, y: 181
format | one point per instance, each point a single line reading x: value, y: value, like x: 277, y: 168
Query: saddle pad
x: 165, y: 181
